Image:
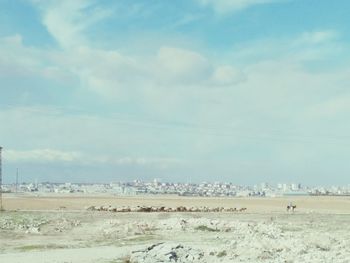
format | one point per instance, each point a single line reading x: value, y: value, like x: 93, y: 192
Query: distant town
x: 155, y: 187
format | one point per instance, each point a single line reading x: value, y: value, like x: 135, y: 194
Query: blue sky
x: 197, y: 90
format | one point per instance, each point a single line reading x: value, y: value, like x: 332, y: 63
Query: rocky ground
x: 93, y: 236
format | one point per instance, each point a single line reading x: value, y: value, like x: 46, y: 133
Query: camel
x: 291, y: 207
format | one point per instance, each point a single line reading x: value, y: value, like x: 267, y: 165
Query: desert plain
x: 59, y: 228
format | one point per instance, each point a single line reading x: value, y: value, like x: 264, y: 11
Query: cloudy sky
x: 245, y: 91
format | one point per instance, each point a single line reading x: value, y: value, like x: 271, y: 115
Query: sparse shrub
x: 126, y: 260
x: 121, y: 260
x: 322, y: 248
x: 222, y: 254
x: 206, y: 228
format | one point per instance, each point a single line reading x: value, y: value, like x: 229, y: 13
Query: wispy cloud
x: 114, y: 74
x: 78, y: 158
x: 316, y: 37
x: 18, y: 60
x: 41, y: 155
x: 67, y: 20
x: 229, y: 6
x: 309, y: 45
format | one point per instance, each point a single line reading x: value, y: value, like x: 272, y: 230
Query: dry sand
x: 319, y: 230
x: 253, y: 204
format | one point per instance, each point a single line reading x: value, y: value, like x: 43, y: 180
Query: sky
x: 241, y: 91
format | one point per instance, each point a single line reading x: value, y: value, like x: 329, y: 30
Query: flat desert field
x: 59, y: 229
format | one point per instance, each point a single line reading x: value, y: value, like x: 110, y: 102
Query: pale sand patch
x: 89, y: 255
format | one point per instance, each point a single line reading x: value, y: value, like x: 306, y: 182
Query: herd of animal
x: 149, y: 209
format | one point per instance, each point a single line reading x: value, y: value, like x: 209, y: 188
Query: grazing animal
x: 291, y: 208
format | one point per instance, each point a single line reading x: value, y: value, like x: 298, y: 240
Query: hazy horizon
x: 188, y: 90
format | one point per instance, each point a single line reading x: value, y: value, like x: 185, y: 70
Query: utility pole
x: 17, y: 181
x: 1, y: 207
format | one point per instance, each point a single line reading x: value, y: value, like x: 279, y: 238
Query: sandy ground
x: 319, y: 231
x: 278, y: 204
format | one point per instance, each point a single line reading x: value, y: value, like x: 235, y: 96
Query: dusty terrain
x: 264, y: 205
x: 58, y: 229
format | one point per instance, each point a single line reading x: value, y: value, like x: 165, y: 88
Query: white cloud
x: 187, y: 19
x: 108, y: 73
x: 112, y: 74
x: 141, y: 161
x: 78, y: 158
x: 110, y: 141
x: 317, y: 37
x: 227, y: 6
x: 181, y: 66
x: 115, y: 75
x: 41, y: 155
x: 17, y: 60
x: 67, y: 20
x: 306, y: 46
x: 227, y: 75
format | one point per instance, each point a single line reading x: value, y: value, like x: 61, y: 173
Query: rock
x: 168, y: 252
x: 33, y: 230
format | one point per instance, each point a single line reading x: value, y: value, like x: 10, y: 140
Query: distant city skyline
x: 204, y: 189
x: 187, y: 90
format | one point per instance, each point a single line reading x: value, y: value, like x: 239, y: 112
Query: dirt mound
x: 168, y: 252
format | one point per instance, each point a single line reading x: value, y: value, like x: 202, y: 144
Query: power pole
x: 1, y: 208
x: 17, y: 181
